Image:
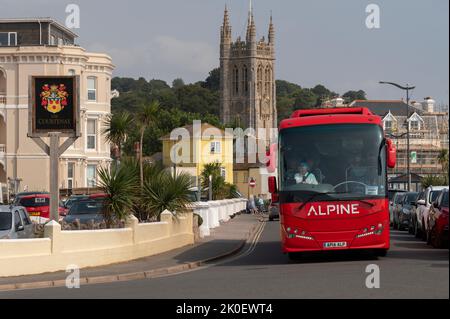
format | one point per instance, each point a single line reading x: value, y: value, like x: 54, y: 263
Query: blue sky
x: 318, y: 41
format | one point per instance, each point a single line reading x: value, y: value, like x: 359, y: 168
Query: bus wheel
x: 295, y: 256
x: 381, y: 252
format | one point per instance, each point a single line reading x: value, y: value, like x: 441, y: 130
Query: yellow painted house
x: 189, y: 148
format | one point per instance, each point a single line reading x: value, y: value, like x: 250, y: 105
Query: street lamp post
x: 406, y: 88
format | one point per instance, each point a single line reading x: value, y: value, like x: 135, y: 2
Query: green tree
x: 212, y: 82
x: 305, y: 99
x: 177, y: 83
x: 285, y: 88
x: 116, y: 130
x: 120, y: 184
x: 145, y: 117
x: 433, y: 180
x: 217, y: 180
x: 351, y: 96
x: 165, y: 191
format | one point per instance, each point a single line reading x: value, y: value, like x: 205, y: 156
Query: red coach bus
x: 332, y: 181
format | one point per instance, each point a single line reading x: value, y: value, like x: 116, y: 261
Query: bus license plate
x: 335, y: 245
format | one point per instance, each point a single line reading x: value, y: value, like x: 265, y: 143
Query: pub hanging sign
x: 54, y: 106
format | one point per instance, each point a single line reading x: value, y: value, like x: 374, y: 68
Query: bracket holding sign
x: 54, y: 112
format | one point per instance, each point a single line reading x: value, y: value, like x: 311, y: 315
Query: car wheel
x: 435, y: 240
x: 411, y: 228
x: 424, y: 231
x: 428, y: 238
x: 270, y: 219
x: 416, y: 230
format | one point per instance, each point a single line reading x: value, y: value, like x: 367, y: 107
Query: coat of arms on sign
x: 54, y: 97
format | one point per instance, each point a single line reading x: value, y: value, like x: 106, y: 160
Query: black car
x: 403, y: 214
x: 85, y: 211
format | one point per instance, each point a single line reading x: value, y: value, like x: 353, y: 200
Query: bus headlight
x: 298, y: 233
x: 374, y: 230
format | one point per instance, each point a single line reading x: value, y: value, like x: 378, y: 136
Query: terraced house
x: 42, y: 46
x: 428, y: 136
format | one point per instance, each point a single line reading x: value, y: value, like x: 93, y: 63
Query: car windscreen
x: 5, y: 221
x: 86, y: 208
x: 34, y: 201
x: 434, y: 195
x: 411, y: 197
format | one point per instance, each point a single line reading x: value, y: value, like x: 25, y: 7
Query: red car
x: 38, y: 207
x: 438, y: 221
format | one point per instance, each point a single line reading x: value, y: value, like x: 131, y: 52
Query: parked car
x: 15, y: 223
x: 85, y: 211
x: 424, y: 202
x: 274, y: 212
x: 397, y: 205
x: 72, y: 199
x: 38, y: 206
x: 392, y: 198
x: 438, y: 221
x: 405, y: 210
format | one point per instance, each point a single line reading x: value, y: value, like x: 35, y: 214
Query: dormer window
x: 388, y: 125
x: 389, y: 122
x: 414, y: 125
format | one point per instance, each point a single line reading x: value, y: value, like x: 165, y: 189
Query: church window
x: 260, y: 80
x: 236, y: 80
x: 245, y: 79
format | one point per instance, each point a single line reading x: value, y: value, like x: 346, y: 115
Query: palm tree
x: 121, y: 186
x: 218, y: 182
x: 145, y: 117
x: 116, y: 130
x: 443, y: 160
x: 165, y: 191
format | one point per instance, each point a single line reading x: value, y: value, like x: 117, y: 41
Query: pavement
x: 226, y: 240
x: 411, y: 269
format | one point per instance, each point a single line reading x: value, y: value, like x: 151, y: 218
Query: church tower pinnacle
x: 248, y: 90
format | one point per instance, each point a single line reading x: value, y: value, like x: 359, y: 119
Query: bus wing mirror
x: 391, y: 154
x: 272, y: 158
x: 272, y: 185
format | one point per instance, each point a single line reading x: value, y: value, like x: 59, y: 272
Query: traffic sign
x: 252, y: 182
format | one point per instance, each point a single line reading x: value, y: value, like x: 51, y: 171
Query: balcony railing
x: 2, y: 148
x: 2, y: 99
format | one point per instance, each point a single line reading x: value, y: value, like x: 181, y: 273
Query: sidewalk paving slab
x: 227, y: 239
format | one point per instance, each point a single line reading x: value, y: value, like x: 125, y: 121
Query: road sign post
x: 54, y: 112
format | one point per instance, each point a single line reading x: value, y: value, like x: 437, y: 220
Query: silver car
x: 15, y: 223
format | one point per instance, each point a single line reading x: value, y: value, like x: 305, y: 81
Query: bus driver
x: 305, y: 176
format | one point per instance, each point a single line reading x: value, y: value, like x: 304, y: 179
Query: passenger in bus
x: 314, y: 166
x: 304, y: 176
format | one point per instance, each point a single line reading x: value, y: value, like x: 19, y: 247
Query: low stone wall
x: 90, y: 248
x: 60, y: 249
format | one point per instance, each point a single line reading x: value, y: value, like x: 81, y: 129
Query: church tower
x: 247, y: 78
